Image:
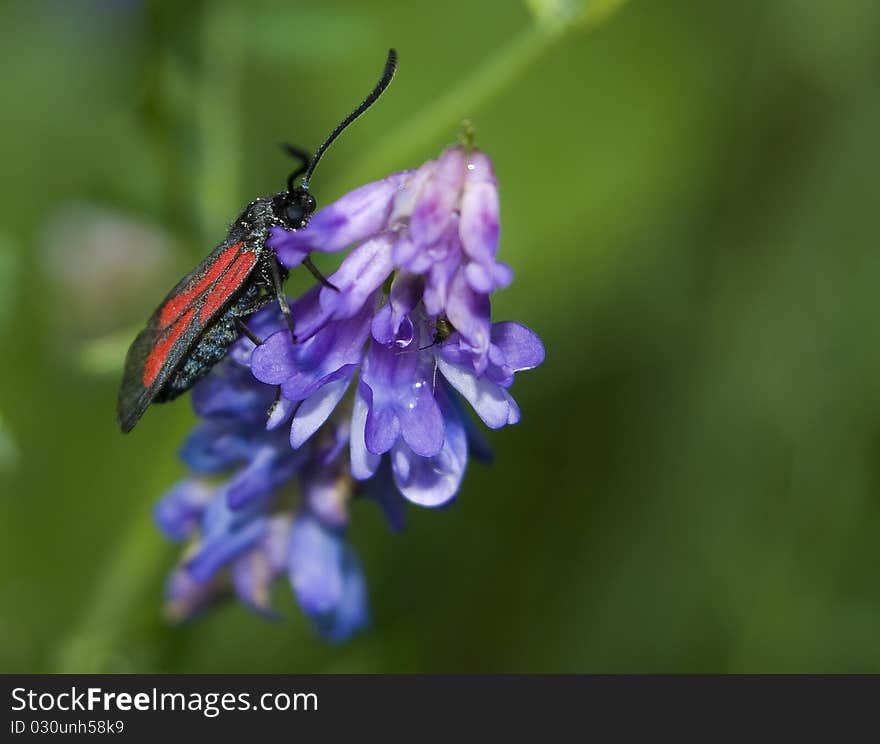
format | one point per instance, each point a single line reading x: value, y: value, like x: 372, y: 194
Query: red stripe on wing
x: 157, y: 356
x: 177, y: 304
x: 227, y: 284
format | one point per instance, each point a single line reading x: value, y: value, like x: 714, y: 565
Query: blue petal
x: 315, y: 565
x: 316, y: 409
x: 180, y: 510
x: 362, y: 272
x: 214, y: 554
x: 352, y: 614
x: 363, y: 462
x: 302, y: 368
x: 398, y: 388
x: 326, y: 493
x: 349, y: 220
x: 327, y: 579
x: 438, y: 198
x: 185, y: 597
x: 521, y: 346
x: 468, y: 311
x: 254, y: 572
x: 231, y: 392
x: 493, y: 403
x: 270, y: 466
x: 433, y: 481
x: 211, y: 448
x: 382, y: 489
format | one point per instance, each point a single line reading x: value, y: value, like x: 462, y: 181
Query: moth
x: 205, y: 313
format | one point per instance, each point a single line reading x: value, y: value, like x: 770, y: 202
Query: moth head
x: 295, y: 208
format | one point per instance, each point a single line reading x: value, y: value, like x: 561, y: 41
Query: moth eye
x: 294, y: 213
x: 310, y: 203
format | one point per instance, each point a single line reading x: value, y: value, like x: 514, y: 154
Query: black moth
x: 198, y: 321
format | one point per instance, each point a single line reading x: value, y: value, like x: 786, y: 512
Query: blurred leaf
x: 832, y: 44
x: 9, y: 455
x: 98, y: 257
x: 10, y: 271
x: 688, y: 204
x: 599, y: 11
x: 289, y: 33
x: 556, y: 13
x: 106, y: 355
x: 561, y: 14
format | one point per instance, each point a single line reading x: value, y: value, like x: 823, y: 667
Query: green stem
x: 440, y: 118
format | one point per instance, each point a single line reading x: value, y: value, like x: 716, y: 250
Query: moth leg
x: 248, y: 310
x: 244, y: 330
x: 259, y: 303
x: 282, y: 300
x: 315, y: 272
x: 275, y: 402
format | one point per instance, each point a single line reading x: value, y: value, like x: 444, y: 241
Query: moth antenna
x: 299, y: 154
x: 384, y: 82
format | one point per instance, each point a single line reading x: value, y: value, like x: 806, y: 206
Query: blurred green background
x: 690, y: 201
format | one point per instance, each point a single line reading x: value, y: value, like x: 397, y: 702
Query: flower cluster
x: 248, y: 529
x: 369, y: 400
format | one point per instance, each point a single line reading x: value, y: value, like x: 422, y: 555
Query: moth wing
x: 176, y: 325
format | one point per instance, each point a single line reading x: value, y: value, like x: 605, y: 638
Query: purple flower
x: 370, y: 401
x: 410, y: 319
x: 242, y: 533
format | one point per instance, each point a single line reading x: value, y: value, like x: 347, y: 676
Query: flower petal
x: 254, y: 573
x: 382, y: 429
x: 274, y: 360
x: 486, y: 278
x: 421, y: 422
x: 185, y: 597
x: 520, y: 345
x: 384, y: 492
x: 316, y: 409
x: 314, y: 565
x: 229, y: 393
x: 213, y: 448
x: 326, y: 494
x: 398, y: 389
x: 269, y: 467
x: 438, y: 198
x: 408, y: 193
x: 490, y: 401
x: 433, y: 481
x: 279, y: 412
x: 290, y: 250
x: 352, y: 613
x: 302, y: 368
x: 355, y: 217
x: 382, y: 328
x: 479, y: 224
x: 252, y: 580
x: 362, y: 272
x: 406, y: 293
x: 363, y: 462
x: 438, y: 280
x: 468, y: 311
x: 215, y: 553
x: 181, y: 508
